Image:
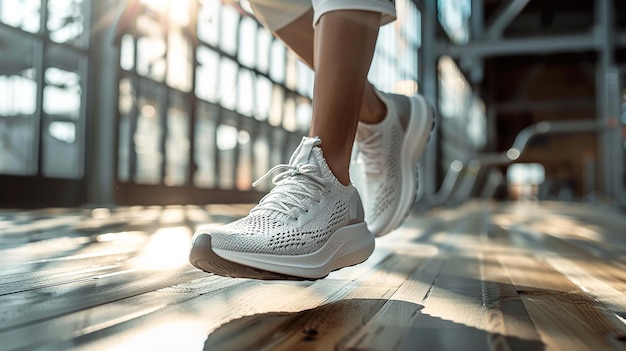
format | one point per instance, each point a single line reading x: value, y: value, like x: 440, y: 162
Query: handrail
x: 447, y: 186
x: 520, y: 143
x: 524, y: 137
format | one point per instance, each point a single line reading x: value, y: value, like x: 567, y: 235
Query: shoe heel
x: 358, y: 245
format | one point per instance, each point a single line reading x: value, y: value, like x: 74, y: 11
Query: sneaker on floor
x: 307, y: 226
x: 388, y: 155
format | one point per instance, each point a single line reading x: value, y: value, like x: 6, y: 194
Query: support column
x: 476, y: 62
x: 102, y: 105
x: 429, y: 182
x: 607, y: 101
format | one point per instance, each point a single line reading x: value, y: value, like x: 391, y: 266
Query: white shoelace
x: 283, y: 197
x: 371, y: 153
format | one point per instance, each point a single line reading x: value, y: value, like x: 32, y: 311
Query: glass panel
x: 148, y: 135
x: 276, y: 111
x: 204, y: 145
x: 305, y: 79
x: 454, y: 18
x: 179, y: 11
x: 304, y: 112
x: 277, y: 68
x: 179, y: 64
x: 18, y: 106
x: 208, y: 21
x: 67, y: 22
x: 291, y: 80
x: 247, y: 46
x: 62, y: 93
x: 477, y: 123
x: 228, y: 29
x: 263, y: 97
x: 279, y: 149
x: 228, y: 83
x: 151, y: 48
x: 264, y: 40
x: 177, y: 142
x: 207, y: 74
x: 61, y: 152
x: 244, y: 168
x: 289, y: 122
x: 22, y: 14
x: 62, y: 134
x: 128, y: 110
x: 289, y: 145
x: 127, y: 52
x: 261, y: 151
x: 524, y: 180
x: 245, y: 96
x: 227, y: 145
x: 454, y: 106
x: 394, y: 67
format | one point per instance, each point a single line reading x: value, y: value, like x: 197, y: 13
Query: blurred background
x: 190, y: 101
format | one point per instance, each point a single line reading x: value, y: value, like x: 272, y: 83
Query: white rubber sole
x: 348, y: 246
x: 415, y: 140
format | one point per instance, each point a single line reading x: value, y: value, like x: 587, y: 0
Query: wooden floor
x: 483, y: 276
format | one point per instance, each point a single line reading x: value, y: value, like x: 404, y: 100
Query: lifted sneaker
x: 307, y: 226
x: 388, y: 155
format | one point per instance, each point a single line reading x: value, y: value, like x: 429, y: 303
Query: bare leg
x: 298, y: 35
x: 340, y: 50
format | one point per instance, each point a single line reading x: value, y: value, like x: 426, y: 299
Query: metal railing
x: 457, y: 185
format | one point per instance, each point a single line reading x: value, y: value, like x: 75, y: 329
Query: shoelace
x: 283, y: 198
x: 371, y: 153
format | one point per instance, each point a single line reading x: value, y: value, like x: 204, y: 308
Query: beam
x: 517, y: 46
x: 550, y: 105
x: 504, y: 15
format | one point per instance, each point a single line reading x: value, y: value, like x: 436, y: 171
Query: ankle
x: 373, y: 109
x: 340, y: 171
x: 339, y: 165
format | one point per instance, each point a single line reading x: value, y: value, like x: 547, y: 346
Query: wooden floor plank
x: 482, y: 276
x: 572, y: 322
x: 404, y: 326
x: 311, y: 296
x: 335, y: 322
x: 561, y: 310
x: 508, y: 322
x: 62, y: 330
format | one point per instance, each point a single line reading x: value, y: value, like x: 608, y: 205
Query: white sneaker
x: 307, y: 226
x: 389, y: 152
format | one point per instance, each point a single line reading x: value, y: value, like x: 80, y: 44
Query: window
x: 205, y: 145
x: 66, y: 22
x: 63, y: 143
x: 177, y: 141
x: 148, y: 134
x: 18, y: 106
x: 219, y: 111
x: 207, y: 73
x: 22, y: 14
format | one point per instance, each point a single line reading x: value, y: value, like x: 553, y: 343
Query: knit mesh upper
x: 380, y: 148
x: 307, y: 205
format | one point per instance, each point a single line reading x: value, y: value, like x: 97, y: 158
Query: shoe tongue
x: 305, y: 153
x: 309, y: 152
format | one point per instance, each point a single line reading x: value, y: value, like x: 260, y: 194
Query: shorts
x: 275, y: 14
